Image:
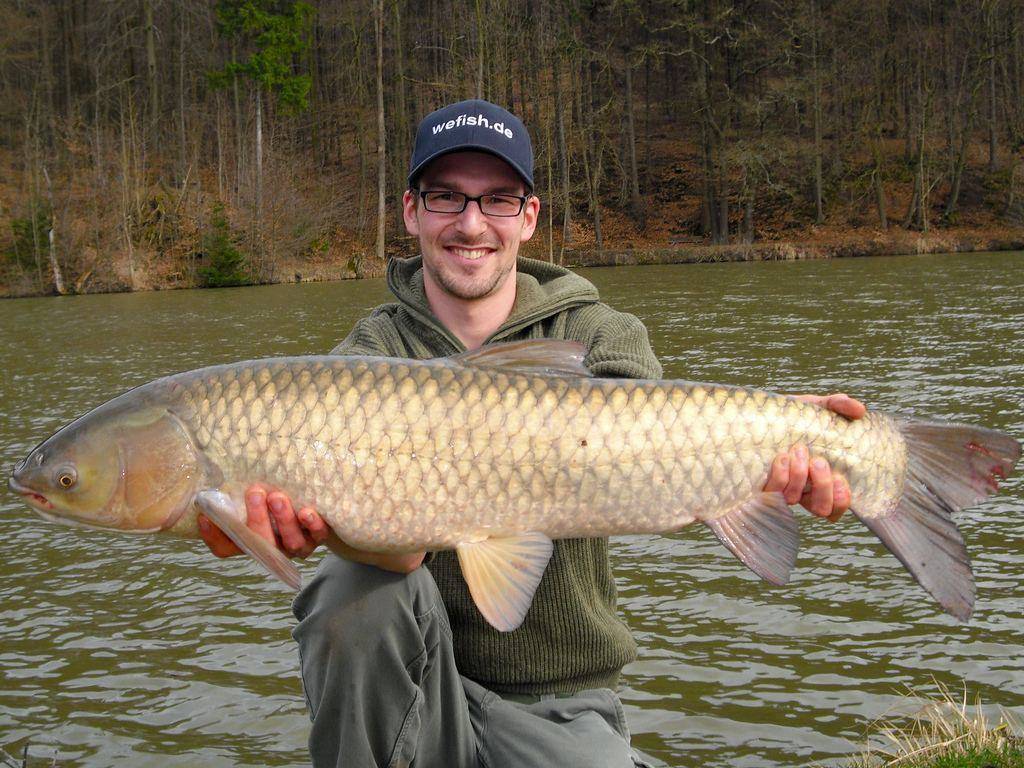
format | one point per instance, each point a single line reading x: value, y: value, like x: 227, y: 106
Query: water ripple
x: 132, y: 651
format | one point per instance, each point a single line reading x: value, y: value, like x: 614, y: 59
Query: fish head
x: 131, y: 470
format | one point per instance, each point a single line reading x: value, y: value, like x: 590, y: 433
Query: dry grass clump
x: 947, y: 732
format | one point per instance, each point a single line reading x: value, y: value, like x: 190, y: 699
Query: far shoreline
x: 903, y: 244
x: 877, y: 243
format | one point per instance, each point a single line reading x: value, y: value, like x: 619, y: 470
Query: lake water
x: 117, y: 650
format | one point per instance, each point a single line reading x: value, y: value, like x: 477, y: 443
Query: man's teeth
x: 465, y: 253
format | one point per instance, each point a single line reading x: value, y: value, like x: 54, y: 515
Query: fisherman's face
x: 469, y: 255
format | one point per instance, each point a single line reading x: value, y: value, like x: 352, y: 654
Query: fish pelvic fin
x: 220, y: 508
x: 503, y: 574
x: 763, y: 534
x: 950, y: 467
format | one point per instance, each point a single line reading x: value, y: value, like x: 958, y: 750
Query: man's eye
x: 501, y: 202
x: 442, y: 196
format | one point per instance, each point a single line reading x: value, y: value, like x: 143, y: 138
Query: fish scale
x: 570, y: 456
x: 496, y: 452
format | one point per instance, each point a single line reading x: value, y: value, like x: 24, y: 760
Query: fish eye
x: 66, y: 477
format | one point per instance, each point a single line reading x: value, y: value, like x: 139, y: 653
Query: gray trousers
x: 383, y: 689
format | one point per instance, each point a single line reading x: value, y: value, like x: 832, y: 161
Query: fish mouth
x: 32, y: 498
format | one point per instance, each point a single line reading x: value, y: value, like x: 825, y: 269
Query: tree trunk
x: 55, y: 271
x: 551, y: 189
x: 592, y: 148
x: 957, y: 174
x: 151, y: 74
x: 748, y: 218
x: 920, y: 199
x: 635, y: 201
x: 563, y: 160
x: 182, y: 141
x: 993, y: 147
x: 480, y: 49
x: 382, y: 168
x: 258, y: 155
x: 819, y: 215
x: 876, y: 181
x: 709, y: 217
x: 220, y: 148
x: 239, y: 164
x: 126, y: 183
x: 69, y: 44
x: 723, y: 207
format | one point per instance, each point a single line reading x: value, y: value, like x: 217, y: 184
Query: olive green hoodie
x: 572, y: 637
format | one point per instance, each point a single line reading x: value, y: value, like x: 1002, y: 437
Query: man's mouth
x: 470, y: 254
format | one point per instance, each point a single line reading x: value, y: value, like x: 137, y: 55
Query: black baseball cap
x: 473, y: 125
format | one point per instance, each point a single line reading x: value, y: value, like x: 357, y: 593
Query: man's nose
x: 472, y: 220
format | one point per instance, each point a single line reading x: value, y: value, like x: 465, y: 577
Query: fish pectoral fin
x: 548, y: 356
x: 223, y: 512
x: 503, y: 574
x: 762, y: 532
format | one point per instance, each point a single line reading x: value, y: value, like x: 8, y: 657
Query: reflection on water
x: 127, y: 651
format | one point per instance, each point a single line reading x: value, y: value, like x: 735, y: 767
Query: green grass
x: 1008, y: 757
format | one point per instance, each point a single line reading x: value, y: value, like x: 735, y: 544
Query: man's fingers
x: 216, y: 539
x: 840, y: 497
x: 840, y: 403
x: 845, y: 405
x: 778, y: 475
x: 819, y: 499
x: 316, y: 528
x: 794, y: 489
x: 257, y: 515
x: 293, y: 539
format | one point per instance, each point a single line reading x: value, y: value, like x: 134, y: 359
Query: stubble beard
x: 469, y: 289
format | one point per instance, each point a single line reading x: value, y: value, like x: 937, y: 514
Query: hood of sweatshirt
x: 542, y: 290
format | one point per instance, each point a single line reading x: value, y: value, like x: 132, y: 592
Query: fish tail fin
x: 949, y: 467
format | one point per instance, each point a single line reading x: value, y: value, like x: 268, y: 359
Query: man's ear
x: 531, y: 214
x: 409, y: 215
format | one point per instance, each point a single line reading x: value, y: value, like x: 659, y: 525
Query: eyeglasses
x: 439, y: 201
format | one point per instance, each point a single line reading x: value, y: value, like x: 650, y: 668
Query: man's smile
x: 471, y: 254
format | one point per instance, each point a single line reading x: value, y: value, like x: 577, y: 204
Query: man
x: 398, y: 665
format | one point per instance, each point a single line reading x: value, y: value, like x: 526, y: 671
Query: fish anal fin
x: 548, y: 356
x: 224, y: 513
x: 503, y: 574
x: 762, y: 533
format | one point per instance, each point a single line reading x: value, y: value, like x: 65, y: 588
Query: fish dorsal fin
x: 549, y: 356
x: 503, y: 574
x: 226, y: 515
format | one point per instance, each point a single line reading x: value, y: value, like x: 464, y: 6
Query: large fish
x: 496, y: 452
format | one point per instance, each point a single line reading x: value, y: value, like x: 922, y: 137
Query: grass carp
x: 496, y: 452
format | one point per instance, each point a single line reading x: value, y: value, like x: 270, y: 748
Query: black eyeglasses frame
x: 467, y: 199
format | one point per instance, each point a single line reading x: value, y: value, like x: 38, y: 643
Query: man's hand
x: 269, y: 513
x: 812, y: 484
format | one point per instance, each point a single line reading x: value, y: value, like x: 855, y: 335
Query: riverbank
x: 868, y: 244
x: 825, y: 243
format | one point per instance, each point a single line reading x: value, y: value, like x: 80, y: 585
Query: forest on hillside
x: 166, y: 143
